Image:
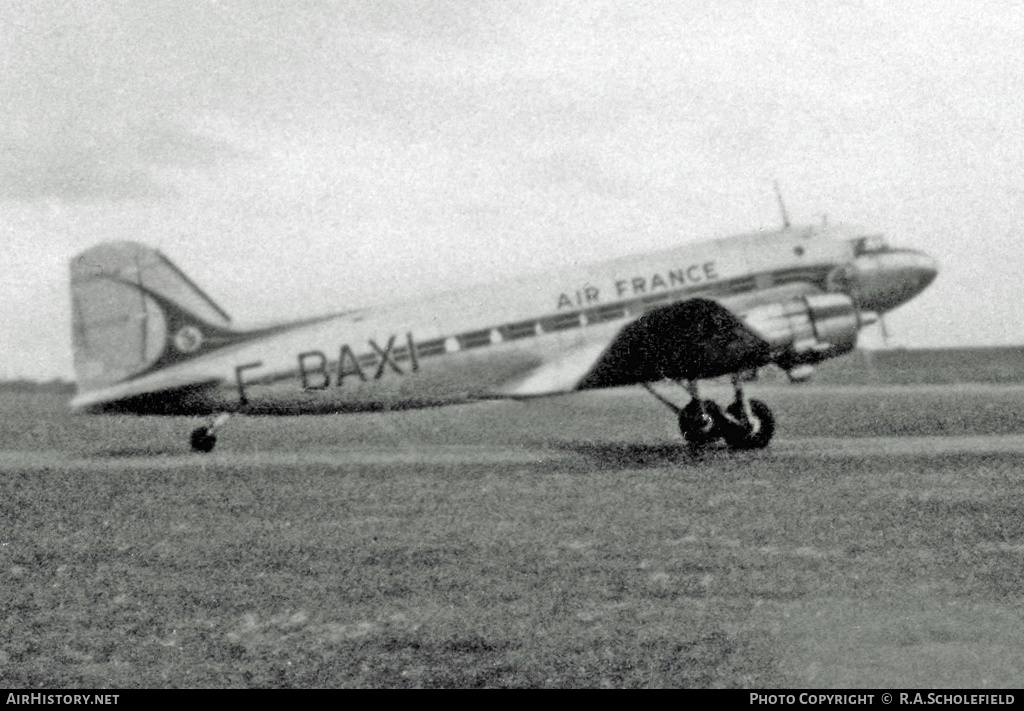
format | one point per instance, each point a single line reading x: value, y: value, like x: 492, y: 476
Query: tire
x: 760, y: 434
x: 201, y: 440
x: 700, y: 423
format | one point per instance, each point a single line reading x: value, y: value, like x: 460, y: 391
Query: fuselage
x: 504, y: 340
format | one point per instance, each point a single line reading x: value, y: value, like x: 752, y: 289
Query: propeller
x: 864, y: 318
x: 847, y: 281
x: 876, y: 316
x: 885, y: 330
x: 852, y: 286
x: 782, y: 207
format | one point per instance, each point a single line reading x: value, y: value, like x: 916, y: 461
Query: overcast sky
x: 302, y: 157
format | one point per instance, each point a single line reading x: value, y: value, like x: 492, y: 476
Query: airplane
x: 148, y: 340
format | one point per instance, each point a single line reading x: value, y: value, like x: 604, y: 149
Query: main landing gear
x: 745, y: 424
x: 204, y: 438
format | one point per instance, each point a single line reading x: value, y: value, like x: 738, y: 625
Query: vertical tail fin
x: 133, y: 311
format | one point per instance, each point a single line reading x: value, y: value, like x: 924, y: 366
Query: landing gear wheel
x: 700, y: 424
x: 202, y: 440
x: 755, y: 434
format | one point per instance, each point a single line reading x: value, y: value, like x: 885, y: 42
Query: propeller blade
x: 885, y: 330
x: 869, y: 360
x: 782, y: 207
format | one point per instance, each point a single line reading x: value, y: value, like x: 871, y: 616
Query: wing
x: 694, y: 339
x: 690, y: 340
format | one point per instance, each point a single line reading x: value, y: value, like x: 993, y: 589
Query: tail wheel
x: 757, y: 431
x: 201, y: 440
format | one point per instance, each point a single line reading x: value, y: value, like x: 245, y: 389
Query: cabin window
x: 606, y: 313
x: 523, y: 329
x: 430, y: 348
x: 475, y: 339
x: 870, y: 244
x: 561, y: 322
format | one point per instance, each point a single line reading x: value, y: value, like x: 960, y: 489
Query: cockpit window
x: 870, y: 244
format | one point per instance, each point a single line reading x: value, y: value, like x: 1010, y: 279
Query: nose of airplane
x: 891, y: 278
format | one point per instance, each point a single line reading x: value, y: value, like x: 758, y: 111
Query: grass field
x: 564, y: 542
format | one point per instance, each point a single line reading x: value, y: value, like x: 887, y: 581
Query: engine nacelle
x: 807, y: 329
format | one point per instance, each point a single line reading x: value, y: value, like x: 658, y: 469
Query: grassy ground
x: 593, y: 554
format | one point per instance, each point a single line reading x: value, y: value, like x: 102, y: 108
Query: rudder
x: 131, y: 309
